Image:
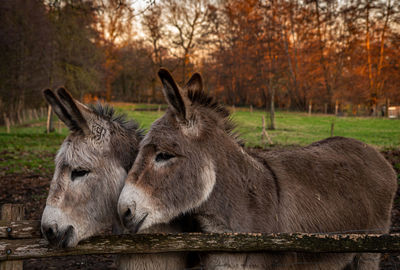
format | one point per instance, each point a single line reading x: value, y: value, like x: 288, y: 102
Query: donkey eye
x: 78, y: 173
x: 163, y: 157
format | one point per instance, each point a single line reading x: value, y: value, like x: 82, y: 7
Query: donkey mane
x: 108, y: 112
x: 202, y: 99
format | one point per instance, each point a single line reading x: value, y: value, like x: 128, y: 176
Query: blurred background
x: 326, y: 56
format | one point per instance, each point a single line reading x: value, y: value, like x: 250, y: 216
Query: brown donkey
x: 91, y: 167
x: 191, y: 161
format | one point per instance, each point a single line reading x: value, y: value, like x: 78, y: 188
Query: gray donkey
x: 192, y: 161
x: 91, y: 167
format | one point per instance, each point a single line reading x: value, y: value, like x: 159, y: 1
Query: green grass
x: 22, y: 152
x: 28, y: 149
x: 144, y: 118
x: 301, y: 129
x: 138, y: 106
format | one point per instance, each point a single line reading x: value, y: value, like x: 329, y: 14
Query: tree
x: 154, y: 28
x: 114, y: 24
x: 188, y: 20
x: 25, y: 35
x: 78, y: 56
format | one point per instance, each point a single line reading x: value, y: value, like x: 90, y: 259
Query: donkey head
x: 174, y: 171
x: 91, y: 167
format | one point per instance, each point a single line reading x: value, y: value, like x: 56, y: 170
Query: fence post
x: 6, y: 122
x: 24, y: 116
x: 336, y: 107
x: 30, y: 117
x: 387, y: 103
x: 264, y: 133
x: 35, y: 114
x: 12, y: 212
x: 19, y: 117
x: 49, y: 124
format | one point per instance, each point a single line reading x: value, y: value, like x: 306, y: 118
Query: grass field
x: 28, y: 149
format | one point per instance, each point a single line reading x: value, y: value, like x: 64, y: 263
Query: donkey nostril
x: 50, y: 231
x: 127, y: 213
x: 127, y: 216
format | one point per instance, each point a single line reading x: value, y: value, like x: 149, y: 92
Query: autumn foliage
x: 319, y: 52
x: 292, y: 54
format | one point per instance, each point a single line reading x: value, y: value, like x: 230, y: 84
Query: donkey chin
x: 58, y: 229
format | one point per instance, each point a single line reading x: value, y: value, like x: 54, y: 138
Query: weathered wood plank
x: 243, y: 242
x: 20, y: 229
x: 12, y: 212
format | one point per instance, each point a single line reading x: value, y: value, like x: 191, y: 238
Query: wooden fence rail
x: 20, y: 229
x: 21, y: 239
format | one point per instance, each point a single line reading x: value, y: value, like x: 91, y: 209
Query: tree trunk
x: 272, y: 109
x: 322, y: 57
x: 378, y: 81
x: 185, y: 62
x: 370, y: 77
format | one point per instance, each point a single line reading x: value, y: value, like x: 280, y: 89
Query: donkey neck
x: 245, y: 196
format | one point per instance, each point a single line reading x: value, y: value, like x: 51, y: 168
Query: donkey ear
x: 195, y: 83
x: 60, y: 110
x: 73, y: 110
x: 172, y: 93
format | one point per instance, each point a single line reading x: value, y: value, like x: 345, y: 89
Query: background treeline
x: 329, y: 54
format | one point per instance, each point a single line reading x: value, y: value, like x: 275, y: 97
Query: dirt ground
x: 31, y: 190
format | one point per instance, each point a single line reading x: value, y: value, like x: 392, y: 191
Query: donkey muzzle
x: 56, y: 237
x: 57, y: 228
